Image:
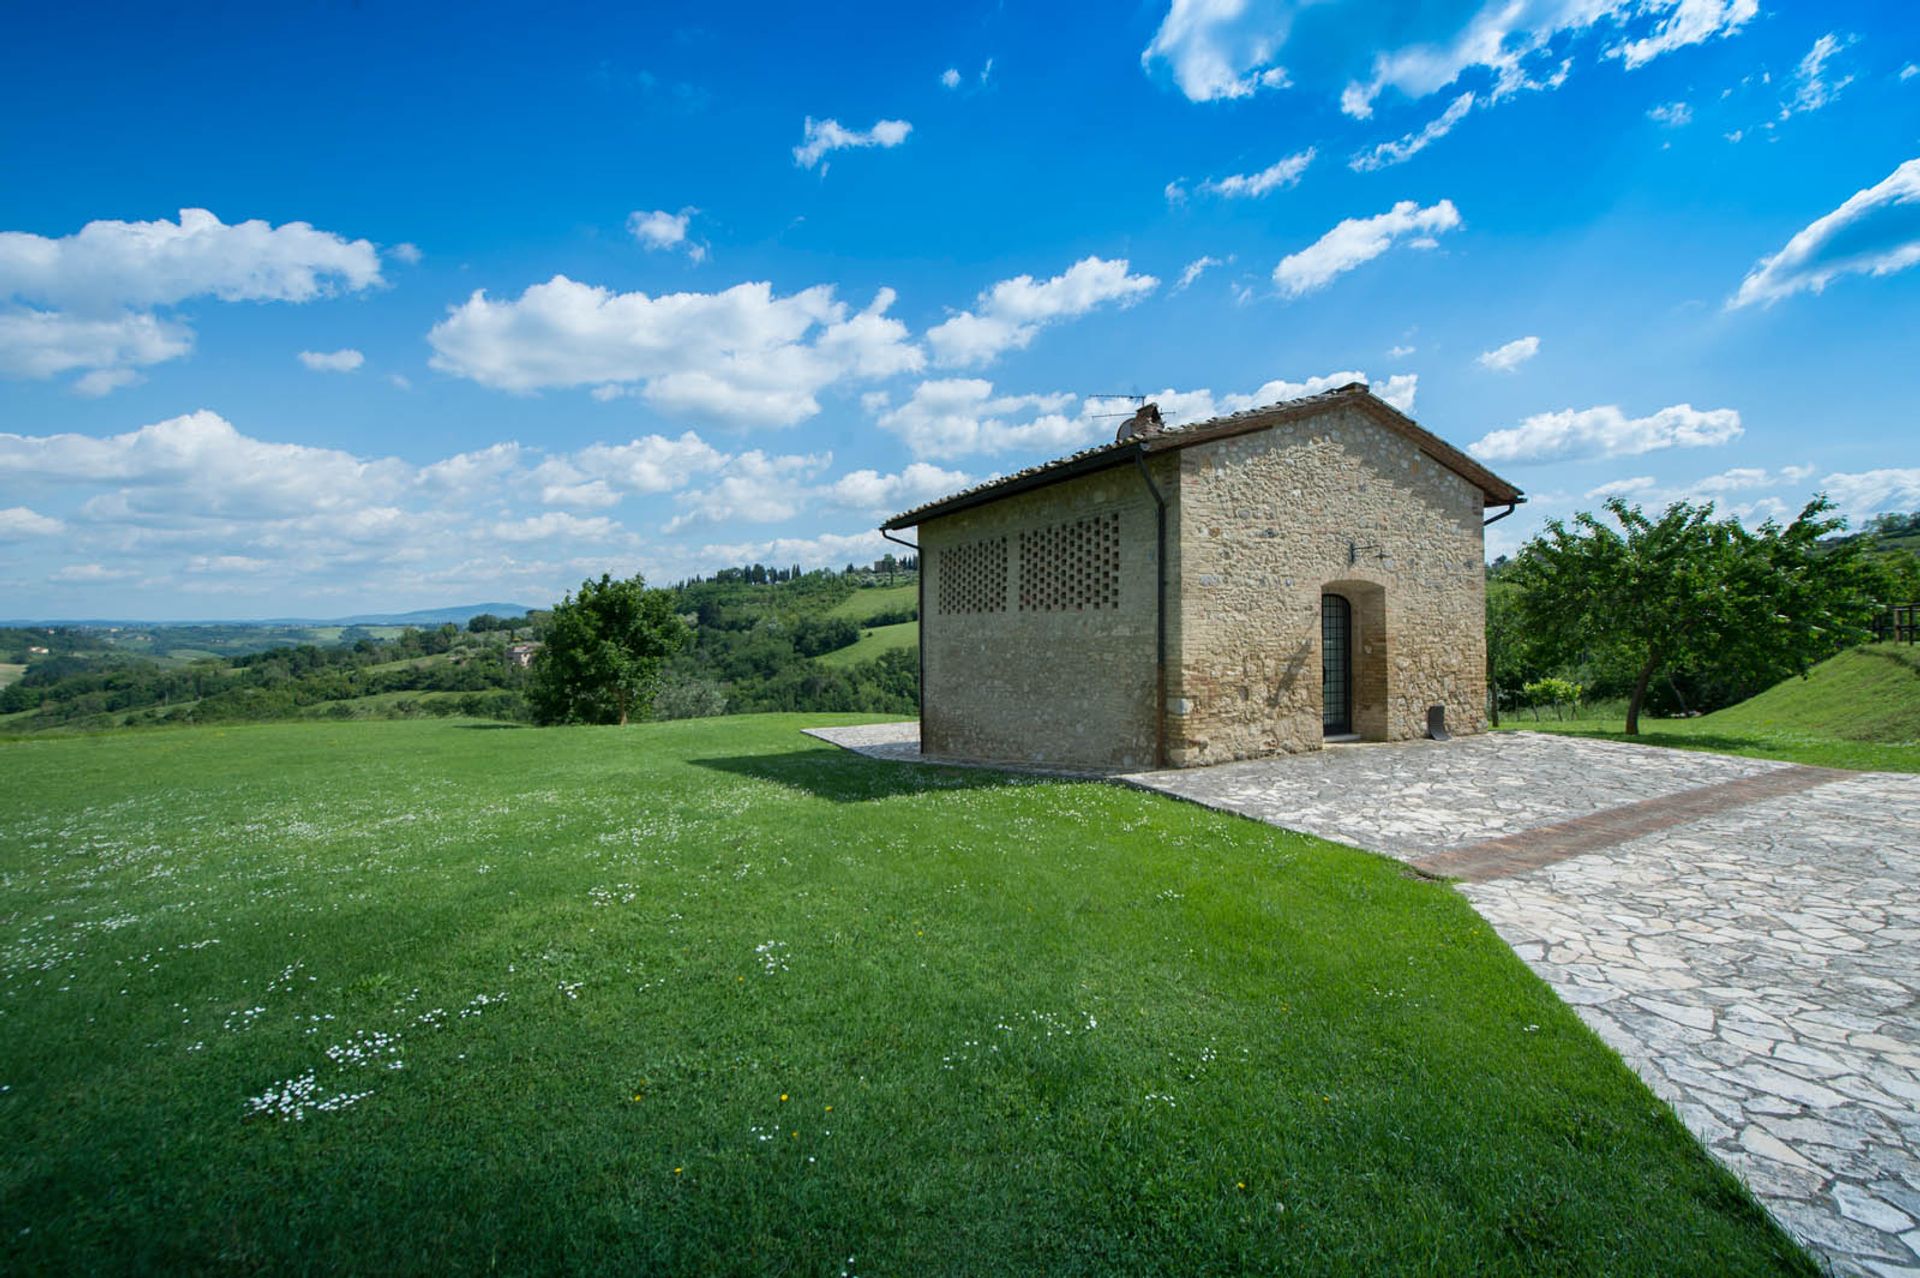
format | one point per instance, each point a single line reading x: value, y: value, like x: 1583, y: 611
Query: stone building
x: 1306, y: 572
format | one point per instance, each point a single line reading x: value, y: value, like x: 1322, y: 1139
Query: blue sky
x: 321, y: 309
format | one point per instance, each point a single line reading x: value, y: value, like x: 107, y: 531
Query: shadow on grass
x: 490, y: 727
x: 845, y: 777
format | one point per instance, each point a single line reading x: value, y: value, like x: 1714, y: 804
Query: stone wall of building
x: 1038, y: 635
x: 1269, y: 520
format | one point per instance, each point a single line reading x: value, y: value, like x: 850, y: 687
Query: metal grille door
x: 1336, y: 665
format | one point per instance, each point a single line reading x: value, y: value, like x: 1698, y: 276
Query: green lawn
x: 708, y: 996
x: 10, y: 672
x: 871, y: 601
x: 872, y: 643
x: 1858, y: 710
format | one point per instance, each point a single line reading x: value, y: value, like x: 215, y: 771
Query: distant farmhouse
x: 521, y: 654
x: 1307, y: 572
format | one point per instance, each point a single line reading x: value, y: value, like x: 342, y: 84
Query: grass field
x: 709, y: 996
x: 10, y: 671
x: 1858, y: 710
x: 874, y: 600
x: 872, y: 643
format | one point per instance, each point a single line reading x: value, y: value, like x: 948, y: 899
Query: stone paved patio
x: 1746, y: 934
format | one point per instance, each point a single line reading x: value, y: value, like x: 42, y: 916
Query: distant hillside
x: 458, y: 614
x: 1869, y: 693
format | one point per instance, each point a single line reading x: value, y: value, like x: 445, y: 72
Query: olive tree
x: 1685, y: 590
x: 603, y: 653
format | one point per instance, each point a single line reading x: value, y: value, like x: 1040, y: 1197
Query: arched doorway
x: 1336, y: 666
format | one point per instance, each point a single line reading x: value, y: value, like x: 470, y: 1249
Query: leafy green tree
x: 1684, y: 590
x: 604, y: 652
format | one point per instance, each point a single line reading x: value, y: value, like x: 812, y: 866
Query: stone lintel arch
x: 1370, y: 653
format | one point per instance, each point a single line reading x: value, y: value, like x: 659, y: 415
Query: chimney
x: 1145, y: 421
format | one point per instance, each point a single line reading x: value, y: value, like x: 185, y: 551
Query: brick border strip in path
x: 1548, y: 844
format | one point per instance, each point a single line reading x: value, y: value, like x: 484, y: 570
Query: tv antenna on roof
x: 1139, y: 399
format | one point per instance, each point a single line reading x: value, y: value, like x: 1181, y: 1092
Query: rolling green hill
x: 710, y: 997
x: 1860, y: 709
x: 874, y: 642
x: 1870, y: 693
x: 875, y: 600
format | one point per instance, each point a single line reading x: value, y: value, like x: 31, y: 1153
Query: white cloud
x: 1358, y: 240
x: 742, y: 356
x: 654, y: 464
x: 18, y: 521
x: 200, y: 464
x: 1672, y: 115
x: 1875, y: 232
x: 822, y: 136
x: 870, y: 492
x: 950, y: 77
x: 36, y: 343
x: 1222, y: 49
x: 1400, y: 352
x: 222, y: 564
x: 660, y: 229
x: 185, y: 504
x: 1632, y: 487
x: 1812, y: 90
x: 89, y: 573
x: 1605, y: 431
x: 1710, y: 488
x: 1908, y: 72
x: 1008, y: 315
x: 1388, y: 153
x: 1860, y: 495
x: 105, y: 381
x: 405, y: 252
x: 1193, y: 270
x: 85, y: 301
x: 753, y: 488
x: 829, y: 550
x: 342, y: 361
x: 1276, y: 176
x: 960, y: 416
x: 555, y: 524
x: 108, y: 265
x: 1505, y: 359
x: 1687, y: 22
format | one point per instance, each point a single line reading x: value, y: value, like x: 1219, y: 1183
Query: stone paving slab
x: 1411, y: 799
x: 1746, y: 934
x: 1760, y: 969
x: 1544, y: 845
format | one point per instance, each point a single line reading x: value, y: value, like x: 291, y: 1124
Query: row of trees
x: 1644, y: 605
x: 616, y: 651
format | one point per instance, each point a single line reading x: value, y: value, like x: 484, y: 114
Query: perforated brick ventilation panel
x: 973, y: 577
x: 1071, y: 567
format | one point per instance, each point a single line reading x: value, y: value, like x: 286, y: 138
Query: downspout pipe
x: 920, y: 607
x: 1159, y: 612
x: 1511, y: 507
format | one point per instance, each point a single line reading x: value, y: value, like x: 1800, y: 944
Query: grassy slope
x: 1871, y: 693
x: 772, y: 1007
x: 1859, y: 710
x: 873, y: 600
x: 9, y: 672
x: 874, y: 642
